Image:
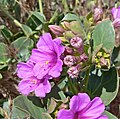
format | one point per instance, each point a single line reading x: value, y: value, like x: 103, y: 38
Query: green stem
x: 72, y: 86
x: 86, y: 78
x: 40, y: 6
x: 64, y: 2
x: 17, y: 23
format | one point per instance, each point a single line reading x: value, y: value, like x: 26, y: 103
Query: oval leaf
x: 104, y: 35
x: 104, y: 84
x: 23, y: 43
x: 3, y: 53
x: 23, y: 103
x: 70, y: 17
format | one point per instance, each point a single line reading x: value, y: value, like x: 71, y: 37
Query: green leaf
x: 3, y: 2
x: 17, y: 9
x: 76, y: 27
x: 36, y: 19
x: 52, y: 105
x: 19, y: 113
x: 104, y: 84
x: 27, y: 30
x: 3, y: 53
x: 110, y: 116
x: 104, y: 36
x: 40, y: 16
x: 27, y: 105
x: 54, y: 17
x: 116, y: 56
x: 7, y: 34
x: 70, y: 17
x: 23, y: 45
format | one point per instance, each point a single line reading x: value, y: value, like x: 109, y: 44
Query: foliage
x: 21, y: 25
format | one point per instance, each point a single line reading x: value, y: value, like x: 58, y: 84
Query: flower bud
x: 116, y: 23
x: 97, y: 13
x: 103, y: 62
x: 69, y: 60
x: 66, y: 25
x: 57, y: 30
x: 68, y: 50
x: 76, y: 42
x: 83, y: 57
x: 73, y: 72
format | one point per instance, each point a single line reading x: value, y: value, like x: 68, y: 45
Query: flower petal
x: 39, y: 91
x: 24, y: 70
x: 47, y: 87
x: 40, y: 70
x: 103, y: 117
x: 65, y: 114
x: 93, y: 110
x: 41, y: 56
x: 45, y: 42
x: 79, y: 102
x: 116, y: 12
x: 42, y: 89
x: 58, y: 47
x: 25, y: 87
x: 55, y: 71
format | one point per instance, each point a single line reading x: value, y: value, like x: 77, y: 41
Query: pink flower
x: 43, y: 64
x: 47, y: 57
x: 30, y: 83
x: 82, y: 108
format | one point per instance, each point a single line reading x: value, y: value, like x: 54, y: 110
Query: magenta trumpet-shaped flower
x: 47, y: 57
x: 82, y: 108
x: 43, y: 64
x: 30, y: 83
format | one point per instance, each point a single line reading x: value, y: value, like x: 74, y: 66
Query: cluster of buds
x: 74, y: 56
x: 102, y: 60
x: 71, y: 60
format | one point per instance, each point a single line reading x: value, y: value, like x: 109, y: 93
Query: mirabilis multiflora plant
x: 78, y: 61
